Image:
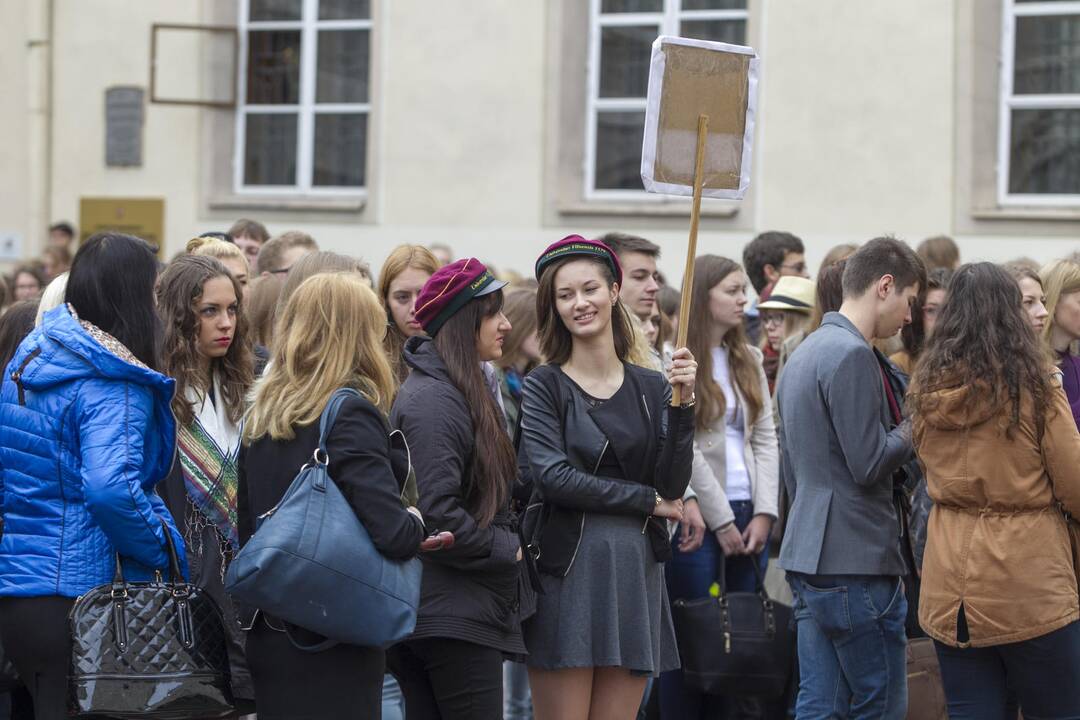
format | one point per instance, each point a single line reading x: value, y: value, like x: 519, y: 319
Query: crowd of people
x: 898, y: 434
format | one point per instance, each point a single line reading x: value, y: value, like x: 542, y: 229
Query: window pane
x: 343, y: 67
x: 622, y: 6
x: 270, y: 149
x: 275, y: 9
x: 618, y: 150
x: 344, y: 9
x: 1045, y: 152
x: 728, y: 31
x: 273, y: 72
x: 1047, y: 55
x: 340, y: 150
x: 713, y: 4
x: 624, y: 60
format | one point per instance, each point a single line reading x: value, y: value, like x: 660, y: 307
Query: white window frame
x: 309, y: 26
x: 1009, y: 102
x: 667, y: 23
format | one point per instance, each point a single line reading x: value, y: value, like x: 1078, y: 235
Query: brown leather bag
x: 926, y: 694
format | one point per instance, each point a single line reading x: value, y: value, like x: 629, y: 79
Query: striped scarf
x: 209, y: 448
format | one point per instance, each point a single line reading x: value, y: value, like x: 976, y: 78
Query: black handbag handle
x: 175, y: 576
x: 759, y: 579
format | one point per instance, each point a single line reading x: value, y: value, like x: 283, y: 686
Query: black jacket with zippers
x: 563, y: 441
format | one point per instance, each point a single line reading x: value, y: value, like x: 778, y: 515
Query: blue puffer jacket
x: 84, y: 437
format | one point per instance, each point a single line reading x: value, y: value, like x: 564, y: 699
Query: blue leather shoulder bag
x: 311, y: 563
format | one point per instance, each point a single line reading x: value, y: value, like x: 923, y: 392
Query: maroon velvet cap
x: 449, y: 289
x: 572, y: 245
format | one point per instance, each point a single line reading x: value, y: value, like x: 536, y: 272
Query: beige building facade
x: 498, y: 126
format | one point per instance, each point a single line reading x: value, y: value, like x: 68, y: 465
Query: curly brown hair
x: 178, y: 291
x: 983, y: 337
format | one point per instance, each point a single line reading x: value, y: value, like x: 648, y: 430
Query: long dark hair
x: 494, y: 464
x: 710, y: 271
x: 983, y: 337
x: 111, y: 284
x: 556, y: 342
x: 178, y: 292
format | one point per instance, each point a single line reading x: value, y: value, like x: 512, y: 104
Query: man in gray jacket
x: 841, y: 549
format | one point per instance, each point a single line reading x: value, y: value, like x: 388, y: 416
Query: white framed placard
x: 689, y: 78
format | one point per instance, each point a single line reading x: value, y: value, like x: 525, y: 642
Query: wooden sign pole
x: 691, y: 250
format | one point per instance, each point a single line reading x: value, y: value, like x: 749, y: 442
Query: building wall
x: 857, y: 135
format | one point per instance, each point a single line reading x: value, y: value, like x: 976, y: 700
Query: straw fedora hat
x: 791, y: 293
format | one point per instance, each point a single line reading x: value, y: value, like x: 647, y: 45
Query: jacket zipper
x: 581, y: 531
x: 17, y: 375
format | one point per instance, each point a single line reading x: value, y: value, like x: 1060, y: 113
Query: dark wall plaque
x: 123, y: 126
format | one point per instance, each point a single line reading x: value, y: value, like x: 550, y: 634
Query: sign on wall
x: 10, y: 246
x: 141, y: 217
x: 123, y: 126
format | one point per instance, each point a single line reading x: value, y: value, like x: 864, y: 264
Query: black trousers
x: 35, y: 634
x: 341, y: 683
x: 1042, y: 674
x: 447, y: 679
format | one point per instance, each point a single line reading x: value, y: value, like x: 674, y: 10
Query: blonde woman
x: 1061, y: 283
x: 400, y: 281
x: 329, y: 336
x: 784, y: 317
x: 229, y: 254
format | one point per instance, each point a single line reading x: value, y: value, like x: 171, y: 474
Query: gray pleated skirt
x: 611, y: 610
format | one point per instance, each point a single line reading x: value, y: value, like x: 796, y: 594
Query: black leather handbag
x: 148, y: 650
x: 736, y: 644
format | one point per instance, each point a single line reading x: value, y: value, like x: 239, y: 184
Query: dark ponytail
x: 494, y: 464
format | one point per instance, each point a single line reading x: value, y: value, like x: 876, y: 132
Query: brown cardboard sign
x: 687, y: 79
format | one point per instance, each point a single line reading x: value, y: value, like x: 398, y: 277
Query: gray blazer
x: 838, y: 458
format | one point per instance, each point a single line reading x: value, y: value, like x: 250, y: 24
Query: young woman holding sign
x: 610, y: 460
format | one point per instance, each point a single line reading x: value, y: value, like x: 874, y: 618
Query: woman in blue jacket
x: 85, y: 433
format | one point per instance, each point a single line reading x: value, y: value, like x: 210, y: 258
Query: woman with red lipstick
x: 610, y: 459
x: 206, y: 351
x: 402, y: 276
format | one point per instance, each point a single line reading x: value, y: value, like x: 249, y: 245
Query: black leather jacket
x: 563, y: 440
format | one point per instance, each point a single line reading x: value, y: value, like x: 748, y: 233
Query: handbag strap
x: 324, y: 644
x: 330, y: 412
x: 175, y: 576
x: 759, y: 579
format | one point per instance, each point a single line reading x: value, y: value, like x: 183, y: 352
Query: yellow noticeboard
x: 141, y: 217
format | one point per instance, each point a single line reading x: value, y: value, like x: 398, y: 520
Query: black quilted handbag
x: 148, y: 650
x: 739, y: 643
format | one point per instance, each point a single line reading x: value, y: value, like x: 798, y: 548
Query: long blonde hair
x: 328, y: 336
x: 1060, y: 277
x: 710, y: 271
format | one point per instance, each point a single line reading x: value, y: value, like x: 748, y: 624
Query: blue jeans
x: 1043, y: 674
x: 689, y: 576
x: 393, y: 703
x: 852, y: 647
x: 517, y: 699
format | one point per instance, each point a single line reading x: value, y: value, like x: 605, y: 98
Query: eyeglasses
x: 281, y: 271
x: 797, y: 267
x: 772, y: 320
